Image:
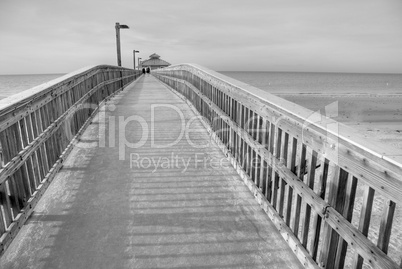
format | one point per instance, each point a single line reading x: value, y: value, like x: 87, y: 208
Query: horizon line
x: 253, y: 71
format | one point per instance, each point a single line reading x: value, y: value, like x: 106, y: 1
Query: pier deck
x: 180, y: 206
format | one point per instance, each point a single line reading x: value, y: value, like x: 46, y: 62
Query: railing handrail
x: 389, y: 157
x: 45, y: 87
x: 371, y: 145
x: 38, y: 128
x: 357, y: 159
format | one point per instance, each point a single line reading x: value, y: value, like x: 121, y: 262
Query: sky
x: 52, y: 36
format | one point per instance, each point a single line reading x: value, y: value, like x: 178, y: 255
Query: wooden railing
x: 317, y: 180
x: 38, y: 128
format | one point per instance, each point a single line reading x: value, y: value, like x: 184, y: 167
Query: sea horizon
x: 319, y: 72
x: 275, y: 82
x: 234, y: 71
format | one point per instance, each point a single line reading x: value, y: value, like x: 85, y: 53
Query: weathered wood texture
x: 37, y: 131
x: 304, y: 166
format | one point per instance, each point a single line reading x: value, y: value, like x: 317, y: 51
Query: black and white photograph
x: 200, y: 134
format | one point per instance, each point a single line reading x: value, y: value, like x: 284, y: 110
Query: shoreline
x: 375, y: 117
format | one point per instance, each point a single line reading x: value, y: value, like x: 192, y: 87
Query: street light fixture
x: 139, y: 58
x: 118, y: 27
x: 134, y: 51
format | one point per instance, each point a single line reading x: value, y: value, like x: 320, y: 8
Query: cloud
x: 225, y: 35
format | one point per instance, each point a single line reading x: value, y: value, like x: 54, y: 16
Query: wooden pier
x: 187, y: 169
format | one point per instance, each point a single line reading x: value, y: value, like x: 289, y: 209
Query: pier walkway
x: 168, y: 199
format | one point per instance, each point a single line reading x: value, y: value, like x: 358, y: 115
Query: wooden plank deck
x: 180, y: 206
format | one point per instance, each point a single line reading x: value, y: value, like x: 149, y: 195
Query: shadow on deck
x: 181, y: 206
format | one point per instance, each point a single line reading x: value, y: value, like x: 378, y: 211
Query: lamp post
x: 118, y: 27
x: 134, y: 51
x: 139, y: 58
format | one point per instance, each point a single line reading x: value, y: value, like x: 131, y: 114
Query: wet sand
x: 374, y: 116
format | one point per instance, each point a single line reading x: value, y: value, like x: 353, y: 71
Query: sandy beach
x: 374, y: 116
x: 377, y: 117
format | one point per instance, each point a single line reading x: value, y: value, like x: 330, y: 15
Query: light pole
x: 139, y: 58
x: 134, y: 51
x: 118, y: 27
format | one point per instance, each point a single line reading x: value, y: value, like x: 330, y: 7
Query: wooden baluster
x: 234, y: 147
x: 384, y: 234
x: 290, y: 189
x: 16, y: 195
x: 223, y: 132
x: 235, y: 111
x: 21, y: 175
x: 7, y: 206
x: 266, y: 128
x: 250, y: 123
x: 60, y: 132
x: 239, y: 138
x: 258, y: 165
x: 45, y: 120
x: 27, y: 166
x: 347, y: 213
x: 230, y: 130
x: 310, y: 183
x: 257, y: 159
x: 242, y: 153
x: 236, y: 142
x: 247, y: 148
x: 248, y: 160
x: 42, y: 161
x: 65, y: 125
x: 41, y: 127
x: 233, y: 140
x: 220, y: 100
x: 336, y: 198
x: 277, y: 154
x: 243, y: 142
x: 272, y: 135
x: 263, y: 165
x: 3, y: 226
x: 45, y: 117
x: 364, y: 222
x: 35, y: 164
x: 284, y: 160
x: 253, y: 154
x: 255, y: 127
x: 227, y: 135
x: 322, y: 185
x: 264, y: 178
x: 301, y: 172
x: 270, y: 147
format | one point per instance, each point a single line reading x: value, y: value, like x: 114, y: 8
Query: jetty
x: 107, y: 167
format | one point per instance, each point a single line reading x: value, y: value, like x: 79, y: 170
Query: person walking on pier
x: 143, y: 71
x: 148, y: 70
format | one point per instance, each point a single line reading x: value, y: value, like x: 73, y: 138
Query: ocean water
x: 369, y: 103
x: 274, y: 82
x: 12, y: 84
x: 321, y: 83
